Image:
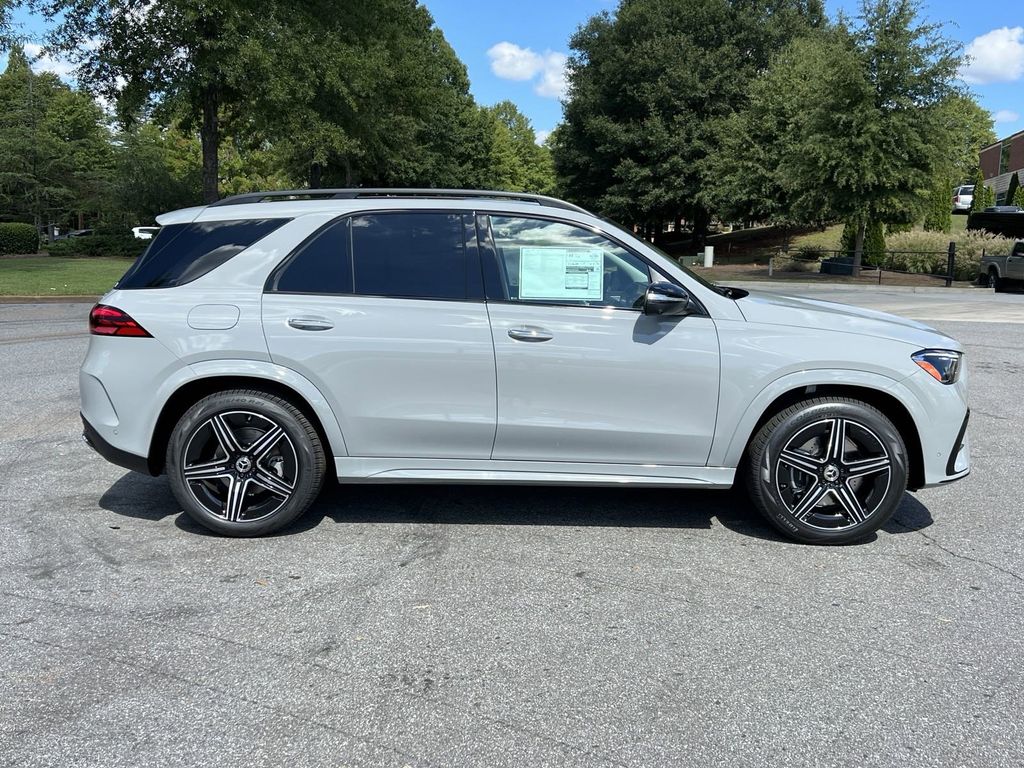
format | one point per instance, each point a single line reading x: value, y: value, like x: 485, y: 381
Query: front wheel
x: 827, y: 470
x: 245, y: 462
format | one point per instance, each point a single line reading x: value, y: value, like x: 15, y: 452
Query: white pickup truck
x: 1001, y: 272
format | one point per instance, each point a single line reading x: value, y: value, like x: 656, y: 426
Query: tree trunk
x: 209, y: 135
x: 315, y: 172
x: 858, y: 247
x: 701, y: 220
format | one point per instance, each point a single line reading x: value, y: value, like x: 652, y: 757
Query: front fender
x: 731, y: 439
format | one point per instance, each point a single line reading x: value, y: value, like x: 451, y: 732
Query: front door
x: 583, y: 374
x: 385, y: 314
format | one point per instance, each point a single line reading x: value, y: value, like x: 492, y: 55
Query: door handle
x: 530, y: 333
x: 310, y: 323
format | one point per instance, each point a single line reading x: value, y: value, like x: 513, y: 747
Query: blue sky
x: 516, y: 49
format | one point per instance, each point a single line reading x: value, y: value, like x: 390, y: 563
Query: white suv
x: 460, y: 336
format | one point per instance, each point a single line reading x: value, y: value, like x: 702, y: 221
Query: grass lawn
x: 56, y: 276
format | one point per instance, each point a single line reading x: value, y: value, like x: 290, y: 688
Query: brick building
x: 1000, y: 161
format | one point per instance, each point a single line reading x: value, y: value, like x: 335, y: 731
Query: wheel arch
x: 194, y: 390
x: 889, y: 404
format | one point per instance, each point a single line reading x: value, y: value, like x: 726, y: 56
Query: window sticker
x: 561, y: 273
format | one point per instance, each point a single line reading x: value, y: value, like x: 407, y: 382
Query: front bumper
x: 110, y: 453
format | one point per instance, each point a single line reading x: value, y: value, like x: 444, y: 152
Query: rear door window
x: 412, y: 255
x: 323, y: 264
x: 181, y: 253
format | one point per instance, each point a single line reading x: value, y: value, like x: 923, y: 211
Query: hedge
x: 18, y: 238
x: 123, y: 244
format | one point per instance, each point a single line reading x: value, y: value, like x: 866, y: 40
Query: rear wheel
x: 244, y: 462
x: 995, y: 282
x: 828, y: 470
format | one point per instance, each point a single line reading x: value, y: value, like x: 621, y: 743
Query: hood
x: 774, y: 309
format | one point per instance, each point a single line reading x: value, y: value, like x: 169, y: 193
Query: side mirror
x: 667, y: 299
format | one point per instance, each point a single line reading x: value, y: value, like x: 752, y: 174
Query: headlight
x: 941, y: 364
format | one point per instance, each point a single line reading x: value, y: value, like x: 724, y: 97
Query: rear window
x: 181, y: 253
x: 966, y: 191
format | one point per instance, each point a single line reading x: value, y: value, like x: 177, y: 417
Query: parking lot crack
x: 959, y: 556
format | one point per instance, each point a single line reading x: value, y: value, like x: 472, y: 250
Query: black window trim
x: 471, y: 244
x: 486, y: 234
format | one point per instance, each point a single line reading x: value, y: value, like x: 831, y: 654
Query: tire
x: 817, y: 489
x: 245, y: 462
x: 997, y: 283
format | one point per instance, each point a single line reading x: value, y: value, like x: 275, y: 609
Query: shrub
x: 938, y: 217
x: 808, y: 252
x: 120, y: 244
x: 1012, y: 190
x: 874, y: 242
x: 18, y: 238
x: 925, y: 252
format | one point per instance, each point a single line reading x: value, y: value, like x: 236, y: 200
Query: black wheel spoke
x: 209, y: 470
x: 820, y: 486
x: 226, y: 438
x: 811, y: 498
x: 271, y: 482
x: 867, y: 466
x: 850, y: 504
x: 236, y: 483
x: 801, y: 461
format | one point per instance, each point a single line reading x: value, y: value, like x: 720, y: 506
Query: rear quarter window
x: 181, y: 253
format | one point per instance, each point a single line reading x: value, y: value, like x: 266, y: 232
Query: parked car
x: 1002, y: 272
x: 962, y: 198
x: 145, y: 233
x: 81, y: 233
x: 263, y: 342
x: 1004, y: 209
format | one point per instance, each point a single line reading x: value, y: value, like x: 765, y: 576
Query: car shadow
x: 149, y: 498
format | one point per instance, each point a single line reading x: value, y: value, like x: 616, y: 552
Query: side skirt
x: 397, y: 470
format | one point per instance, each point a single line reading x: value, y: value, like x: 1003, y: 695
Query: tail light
x: 111, y: 321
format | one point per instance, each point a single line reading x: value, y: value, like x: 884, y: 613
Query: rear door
x: 583, y: 374
x: 384, y: 312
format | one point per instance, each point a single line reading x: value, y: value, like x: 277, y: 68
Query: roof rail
x: 361, y: 192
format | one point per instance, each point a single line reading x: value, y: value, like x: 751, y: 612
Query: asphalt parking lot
x: 501, y: 626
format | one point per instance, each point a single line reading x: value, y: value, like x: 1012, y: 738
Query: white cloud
x: 513, y: 62
x: 541, y: 136
x: 995, y: 57
x: 1006, y: 116
x: 41, y: 62
x: 510, y: 62
x: 553, y: 83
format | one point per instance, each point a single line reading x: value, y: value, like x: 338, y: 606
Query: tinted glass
x: 181, y: 253
x: 323, y: 264
x: 415, y: 255
x: 551, y: 262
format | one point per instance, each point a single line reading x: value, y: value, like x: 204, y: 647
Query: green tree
x: 157, y: 170
x: 1018, y: 199
x: 385, y: 101
x: 970, y: 128
x: 938, y: 216
x: 1011, y: 191
x: 649, y: 89
x: 519, y: 164
x: 55, y: 156
x: 867, y: 133
x: 207, y: 63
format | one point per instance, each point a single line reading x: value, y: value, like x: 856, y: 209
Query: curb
x: 49, y: 299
